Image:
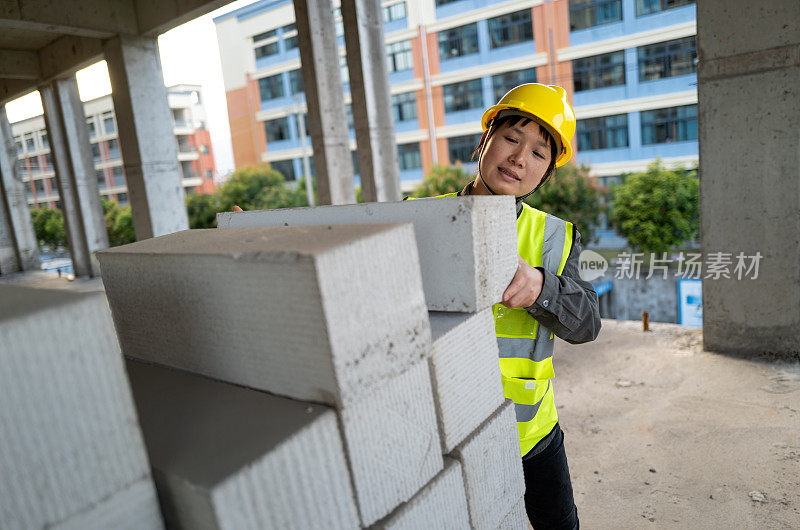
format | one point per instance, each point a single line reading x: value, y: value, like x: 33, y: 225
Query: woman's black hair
x: 512, y: 120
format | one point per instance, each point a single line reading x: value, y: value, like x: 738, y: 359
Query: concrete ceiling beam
x: 14, y: 88
x: 89, y: 18
x: 16, y: 64
x: 158, y: 16
x: 68, y: 54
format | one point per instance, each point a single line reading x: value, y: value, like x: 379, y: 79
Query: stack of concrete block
x: 467, y: 253
x: 279, y: 310
x: 226, y: 456
x: 467, y: 245
x: 71, y: 453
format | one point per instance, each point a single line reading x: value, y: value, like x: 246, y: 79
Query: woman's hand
x: 236, y: 209
x: 526, y: 286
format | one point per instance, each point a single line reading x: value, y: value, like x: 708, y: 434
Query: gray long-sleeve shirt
x: 567, y: 305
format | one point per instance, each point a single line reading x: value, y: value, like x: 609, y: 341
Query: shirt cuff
x: 544, y: 303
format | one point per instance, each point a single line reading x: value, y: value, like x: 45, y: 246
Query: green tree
x: 202, y: 210
x: 658, y: 209
x: 572, y: 195
x: 259, y: 188
x: 48, y: 224
x: 441, y: 180
x: 119, y: 223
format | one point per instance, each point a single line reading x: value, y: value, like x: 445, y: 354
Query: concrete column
x: 748, y: 89
x: 146, y: 137
x: 369, y: 88
x: 19, y: 250
x: 322, y: 82
x: 77, y: 184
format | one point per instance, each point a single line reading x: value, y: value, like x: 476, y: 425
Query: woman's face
x: 515, y: 158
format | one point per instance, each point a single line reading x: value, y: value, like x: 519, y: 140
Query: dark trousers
x: 548, y: 489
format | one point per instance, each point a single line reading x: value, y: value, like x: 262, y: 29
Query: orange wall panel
x: 247, y: 136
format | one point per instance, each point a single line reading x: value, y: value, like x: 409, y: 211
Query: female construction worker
x: 526, y: 136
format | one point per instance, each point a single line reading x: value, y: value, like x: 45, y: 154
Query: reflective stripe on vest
x: 526, y: 347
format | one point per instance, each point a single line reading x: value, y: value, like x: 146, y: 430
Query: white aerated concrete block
x: 516, y: 519
x: 228, y: 457
x: 492, y: 465
x: 315, y: 313
x: 441, y: 504
x: 71, y: 453
x: 467, y: 245
x: 392, y: 442
x: 466, y: 373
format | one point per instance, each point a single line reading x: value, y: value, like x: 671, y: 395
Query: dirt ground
x: 662, y: 434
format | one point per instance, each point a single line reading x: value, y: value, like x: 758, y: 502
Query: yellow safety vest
x: 526, y: 347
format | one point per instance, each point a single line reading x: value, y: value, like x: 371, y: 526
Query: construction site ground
x: 660, y: 433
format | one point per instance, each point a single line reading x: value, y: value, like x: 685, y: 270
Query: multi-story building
x: 629, y: 67
x: 194, y: 148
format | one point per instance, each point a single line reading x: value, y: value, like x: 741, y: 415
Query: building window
x: 297, y: 122
x: 122, y: 199
x: 39, y: 185
x: 295, y: 81
x: 589, y: 13
x: 599, y: 71
x: 33, y: 165
x: 29, y: 144
x: 463, y: 96
x: 108, y: 123
x: 408, y: 156
x: 43, y: 139
x: 117, y: 176
x: 289, y: 36
x: 270, y: 87
x: 457, y: 42
x: 404, y: 106
x: 667, y: 59
x: 267, y: 50
x: 511, y: 28
x: 96, y: 153
x: 645, y: 7
x: 48, y: 161
x: 460, y: 148
x: 277, y: 129
x: 101, y: 179
x: 394, y: 12
x: 264, y: 36
x: 113, y: 149
x: 18, y: 144
x: 92, y: 130
x: 344, y: 72
x: 502, y: 83
x: 399, y: 56
x: 348, y: 111
x: 284, y: 167
x: 606, y: 132
x: 673, y: 124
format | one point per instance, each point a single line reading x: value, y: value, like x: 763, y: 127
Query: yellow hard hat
x: 547, y: 105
